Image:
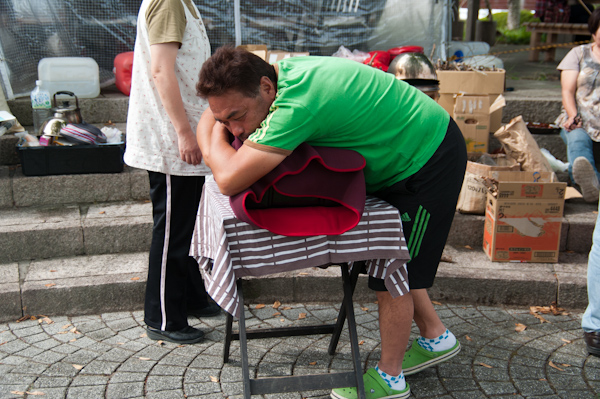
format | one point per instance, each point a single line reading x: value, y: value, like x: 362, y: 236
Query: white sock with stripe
x: 395, y: 382
x: 444, y: 342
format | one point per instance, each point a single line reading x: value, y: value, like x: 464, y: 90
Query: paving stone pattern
x: 109, y: 356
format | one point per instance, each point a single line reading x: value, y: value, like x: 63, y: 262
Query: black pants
x: 427, y: 204
x: 174, y: 281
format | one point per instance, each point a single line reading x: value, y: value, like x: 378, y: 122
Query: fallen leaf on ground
x: 144, y: 358
x: 160, y: 342
x: 73, y: 340
x: 486, y: 365
x: 52, y: 271
x: 364, y: 309
x: 286, y: 308
x: 74, y: 330
x: 62, y: 332
x: 276, y: 314
x: 468, y: 338
x: 144, y: 335
x: 102, y: 212
x: 312, y: 363
x: 260, y: 306
x: 436, y: 303
x: 50, y: 285
x: 214, y: 379
x: 35, y: 393
x: 551, y: 364
x: 135, y: 278
x: 468, y: 247
x: 303, y: 274
x: 302, y: 316
x: 446, y: 259
x: 565, y: 365
x: 66, y: 326
x: 361, y: 342
x: 18, y: 392
x: 282, y: 320
x: 520, y: 327
x: 46, y: 320
x: 77, y: 366
x: 276, y: 304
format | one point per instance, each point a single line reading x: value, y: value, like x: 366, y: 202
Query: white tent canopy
x: 101, y: 29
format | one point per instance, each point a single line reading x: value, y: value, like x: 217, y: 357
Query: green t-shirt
x: 335, y: 102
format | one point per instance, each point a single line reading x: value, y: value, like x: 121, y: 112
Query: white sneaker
x: 585, y: 176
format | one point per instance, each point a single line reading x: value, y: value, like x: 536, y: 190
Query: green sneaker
x: 418, y: 359
x: 375, y: 388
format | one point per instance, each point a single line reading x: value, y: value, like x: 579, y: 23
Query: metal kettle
x: 71, y: 113
x: 63, y: 114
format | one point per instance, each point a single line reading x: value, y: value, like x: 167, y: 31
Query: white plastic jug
x: 467, y: 49
x: 79, y: 75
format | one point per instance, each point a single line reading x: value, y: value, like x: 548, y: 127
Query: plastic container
x: 79, y: 75
x: 123, y: 69
x: 462, y: 49
x: 40, y: 105
x: 68, y: 160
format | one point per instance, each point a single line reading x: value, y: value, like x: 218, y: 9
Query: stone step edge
x: 125, y: 227
x: 110, y: 283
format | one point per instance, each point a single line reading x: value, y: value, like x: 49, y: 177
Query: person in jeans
x: 590, y: 322
x: 415, y: 160
x: 579, y: 118
x: 170, y: 46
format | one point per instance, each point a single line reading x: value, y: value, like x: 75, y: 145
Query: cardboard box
x: 523, y: 217
x: 258, y: 49
x: 276, y: 55
x: 472, y: 115
x: 471, y: 82
x: 490, y: 83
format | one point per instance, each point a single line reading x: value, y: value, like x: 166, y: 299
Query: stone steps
x: 96, y: 284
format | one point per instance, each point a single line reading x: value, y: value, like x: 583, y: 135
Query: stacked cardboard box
x: 483, y: 88
x: 523, y: 217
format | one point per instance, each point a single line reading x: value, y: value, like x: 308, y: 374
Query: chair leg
x: 244, y: 344
x: 348, y: 291
x: 227, y: 343
x: 339, y: 325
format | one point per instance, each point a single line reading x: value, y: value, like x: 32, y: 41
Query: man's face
x: 242, y: 115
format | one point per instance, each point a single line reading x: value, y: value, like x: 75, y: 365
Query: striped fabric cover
x: 227, y: 248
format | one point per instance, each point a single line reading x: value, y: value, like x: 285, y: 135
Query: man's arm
x: 234, y: 171
x: 163, y: 57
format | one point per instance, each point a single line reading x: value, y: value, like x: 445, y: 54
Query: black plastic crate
x: 63, y: 160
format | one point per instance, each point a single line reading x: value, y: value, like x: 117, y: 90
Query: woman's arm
x: 568, y: 83
x: 162, y: 65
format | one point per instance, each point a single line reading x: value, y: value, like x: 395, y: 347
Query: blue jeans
x: 579, y: 144
x: 591, y: 318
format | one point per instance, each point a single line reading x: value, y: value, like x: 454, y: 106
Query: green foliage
x: 514, y: 36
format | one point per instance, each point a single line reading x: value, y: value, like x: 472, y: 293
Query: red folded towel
x: 314, y: 191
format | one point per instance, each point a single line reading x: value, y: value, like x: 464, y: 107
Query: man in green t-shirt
x: 415, y: 160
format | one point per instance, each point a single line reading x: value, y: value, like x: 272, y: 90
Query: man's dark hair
x: 231, y: 68
x: 594, y: 21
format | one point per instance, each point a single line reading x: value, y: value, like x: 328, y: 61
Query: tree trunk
x: 514, y: 14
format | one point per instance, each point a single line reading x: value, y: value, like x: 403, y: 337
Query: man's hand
x: 188, y: 149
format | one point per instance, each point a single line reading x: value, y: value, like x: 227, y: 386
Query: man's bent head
x: 240, y: 88
x: 233, y: 69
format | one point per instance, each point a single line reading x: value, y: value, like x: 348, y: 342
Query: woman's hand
x: 573, y: 122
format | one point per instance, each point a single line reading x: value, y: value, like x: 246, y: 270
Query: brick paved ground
x: 109, y: 356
